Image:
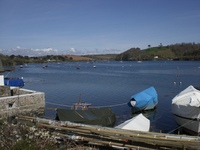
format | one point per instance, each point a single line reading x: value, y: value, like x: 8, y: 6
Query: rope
x: 58, y: 104
x: 7, y: 74
x: 93, y: 107
x: 111, y: 105
x: 181, y: 126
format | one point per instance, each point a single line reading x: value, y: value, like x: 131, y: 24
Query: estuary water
x: 112, y: 83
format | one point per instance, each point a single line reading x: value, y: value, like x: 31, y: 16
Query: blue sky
x: 95, y: 26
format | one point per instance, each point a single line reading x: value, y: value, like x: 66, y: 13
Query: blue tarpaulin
x: 144, y: 100
x: 14, y: 82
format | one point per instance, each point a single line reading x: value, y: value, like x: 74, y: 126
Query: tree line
x: 20, y: 60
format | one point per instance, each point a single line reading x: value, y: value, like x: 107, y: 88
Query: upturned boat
x: 137, y: 123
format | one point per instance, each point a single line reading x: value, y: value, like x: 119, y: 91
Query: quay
x: 17, y: 101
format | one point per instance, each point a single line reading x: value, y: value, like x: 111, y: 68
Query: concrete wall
x: 1, y: 79
x: 23, y: 101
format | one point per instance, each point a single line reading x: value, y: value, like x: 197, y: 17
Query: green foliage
x: 131, y: 54
x: 20, y: 60
x: 156, y: 49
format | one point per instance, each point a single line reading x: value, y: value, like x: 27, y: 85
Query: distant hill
x: 102, y: 56
x: 91, y: 57
x: 78, y: 58
x: 183, y: 51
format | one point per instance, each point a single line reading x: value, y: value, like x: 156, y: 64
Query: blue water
x: 112, y: 84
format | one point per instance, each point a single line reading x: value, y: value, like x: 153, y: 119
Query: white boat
x: 186, y: 109
x: 137, y: 123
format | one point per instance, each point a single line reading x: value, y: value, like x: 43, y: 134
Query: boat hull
x: 191, y: 126
x: 187, y: 117
x: 145, y: 108
x: 92, y: 116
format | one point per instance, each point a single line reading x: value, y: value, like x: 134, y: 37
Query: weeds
x: 17, y: 135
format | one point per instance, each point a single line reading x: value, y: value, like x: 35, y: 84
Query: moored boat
x: 144, y: 100
x: 186, y: 109
x: 18, y: 82
x: 9, y: 81
x: 137, y: 123
x: 81, y: 112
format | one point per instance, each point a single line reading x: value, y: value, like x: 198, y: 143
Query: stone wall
x: 23, y: 101
x: 4, y: 91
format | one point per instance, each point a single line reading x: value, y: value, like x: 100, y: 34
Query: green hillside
x: 183, y: 51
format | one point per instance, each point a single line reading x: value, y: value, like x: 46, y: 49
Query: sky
x: 80, y: 27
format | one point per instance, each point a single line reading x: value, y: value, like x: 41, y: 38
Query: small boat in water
x: 186, y: 109
x: 144, y: 100
x: 137, y: 123
x: 82, y: 113
x: 18, y: 82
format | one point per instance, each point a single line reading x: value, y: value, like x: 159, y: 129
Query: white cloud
x: 72, y: 50
x: 18, y: 47
x: 47, y: 49
x: 111, y: 51
x: 50, y: 51
x: 31, y: 52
